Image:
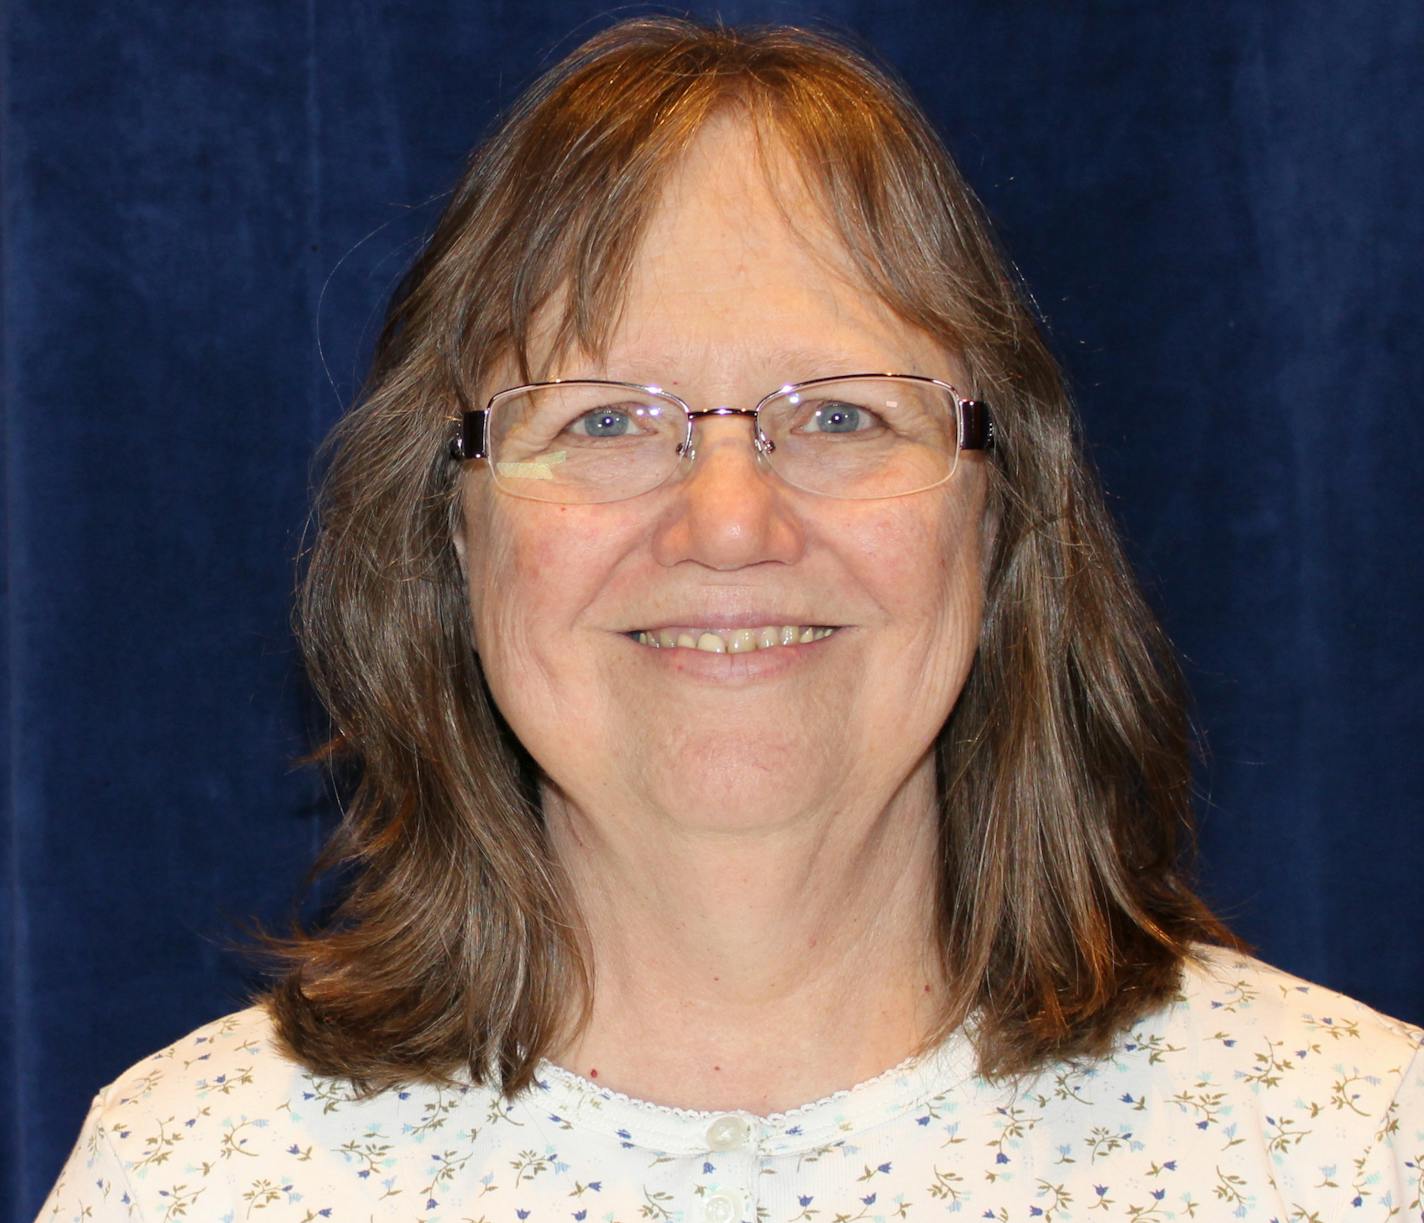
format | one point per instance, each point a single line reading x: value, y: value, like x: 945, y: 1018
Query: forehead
x: 740, y: 272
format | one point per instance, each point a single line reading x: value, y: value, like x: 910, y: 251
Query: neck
x: 756, y: 969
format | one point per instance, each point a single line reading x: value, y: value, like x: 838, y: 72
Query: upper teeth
x: 733, y: 641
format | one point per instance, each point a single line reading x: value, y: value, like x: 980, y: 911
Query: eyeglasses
x: 858, y: 437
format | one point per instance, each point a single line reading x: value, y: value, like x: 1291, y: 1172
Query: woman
x: 748, y: 705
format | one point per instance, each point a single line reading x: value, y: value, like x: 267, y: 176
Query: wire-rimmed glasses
x: 857, y: 437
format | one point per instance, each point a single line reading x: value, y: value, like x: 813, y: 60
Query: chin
x: 756, y: 790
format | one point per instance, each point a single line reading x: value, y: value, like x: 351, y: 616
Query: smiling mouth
x: 732, y: 641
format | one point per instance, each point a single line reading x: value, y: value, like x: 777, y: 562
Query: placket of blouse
x: 731, y: 1165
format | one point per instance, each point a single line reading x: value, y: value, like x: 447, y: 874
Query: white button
x: 724, y: 1206
x: 727, y: 1133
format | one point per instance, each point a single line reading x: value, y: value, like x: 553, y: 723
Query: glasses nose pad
x: 762, y: 445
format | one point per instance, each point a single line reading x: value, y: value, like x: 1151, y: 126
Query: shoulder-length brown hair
x: 1064, y: 768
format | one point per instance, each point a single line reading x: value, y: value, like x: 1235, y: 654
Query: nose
x: 729, y: 511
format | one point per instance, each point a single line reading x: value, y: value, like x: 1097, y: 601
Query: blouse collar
x: 578, y: 1103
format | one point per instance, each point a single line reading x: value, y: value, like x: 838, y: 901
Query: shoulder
x: 232, y: 1058
x: 1273, y: 1089
x: 171, y: 1133
x: 221, y: 1091
x: 156, y: 1117
x: 1249, y: 1028
x: 1228, y: 999
x: 1251, y: 1093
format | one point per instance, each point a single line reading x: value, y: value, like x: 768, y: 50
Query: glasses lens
x: 863, y: 437
x: 584, y: 442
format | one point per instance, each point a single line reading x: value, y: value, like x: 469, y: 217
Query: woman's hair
x: 1063, y: 907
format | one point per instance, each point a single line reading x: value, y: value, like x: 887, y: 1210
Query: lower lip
x: 733, y: 668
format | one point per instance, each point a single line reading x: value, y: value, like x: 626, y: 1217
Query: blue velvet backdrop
x: 204, y: 206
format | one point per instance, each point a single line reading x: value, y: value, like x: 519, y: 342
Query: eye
x: 603, y: 422
x: 839, y: 417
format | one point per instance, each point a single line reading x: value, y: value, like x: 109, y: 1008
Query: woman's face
x: 728, y: 301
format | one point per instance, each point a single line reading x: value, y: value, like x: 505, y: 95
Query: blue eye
x: 604, y: 423
x: 837, y: 418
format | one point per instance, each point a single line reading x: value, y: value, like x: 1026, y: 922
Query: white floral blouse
x: 1254, y: 1096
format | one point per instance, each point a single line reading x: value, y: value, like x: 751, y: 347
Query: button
x: 728, y: 1133
x: 724, y: 1206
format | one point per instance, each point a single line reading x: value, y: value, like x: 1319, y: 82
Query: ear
x: 457, y: 538
x: 457, y: 532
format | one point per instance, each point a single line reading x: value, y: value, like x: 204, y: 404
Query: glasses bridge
x: 764, y: 444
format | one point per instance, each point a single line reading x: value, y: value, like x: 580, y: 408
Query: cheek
x: 929, y: 575
x: 505, y: 563
x: 514, y: 559
x: 959, y: 548
x: 535, y: 569
x: 513, y: 566
x: 928, y: 565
